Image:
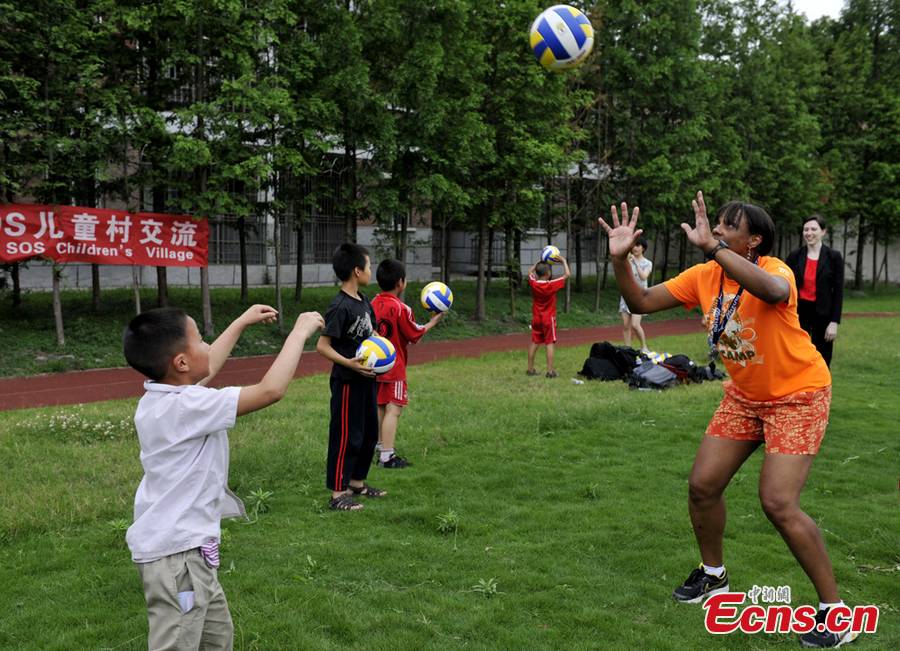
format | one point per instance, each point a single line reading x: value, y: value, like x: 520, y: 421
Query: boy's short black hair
x: 389, y: 273
x: 153, y: 338
x: 542, y: 269
x: 347, y: 257
x: 643, y: 243
x: 758, y: 222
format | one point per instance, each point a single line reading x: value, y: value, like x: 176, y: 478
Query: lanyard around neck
x: 720, y: 320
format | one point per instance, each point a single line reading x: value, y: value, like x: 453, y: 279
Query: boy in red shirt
x: 394, y: 321
x: 543, y: 311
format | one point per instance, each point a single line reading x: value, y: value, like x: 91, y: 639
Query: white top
x: 184, y: 451
x: 643, y: 265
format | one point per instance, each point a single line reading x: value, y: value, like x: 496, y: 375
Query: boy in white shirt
x: 181, y: 425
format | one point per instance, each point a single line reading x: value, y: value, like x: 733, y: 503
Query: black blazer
x: 829, y: 280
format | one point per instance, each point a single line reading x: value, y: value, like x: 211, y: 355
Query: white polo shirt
x: 184, y: 451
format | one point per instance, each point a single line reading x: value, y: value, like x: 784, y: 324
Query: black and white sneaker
x: 699, y: 586
x: 820, y: 638
x: 394, y: 462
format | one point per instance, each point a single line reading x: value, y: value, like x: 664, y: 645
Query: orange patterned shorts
x: 794, y: 424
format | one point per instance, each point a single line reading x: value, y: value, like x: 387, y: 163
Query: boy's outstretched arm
x: 565, y: 264
x: 275, y: 382
x: 221, y: 348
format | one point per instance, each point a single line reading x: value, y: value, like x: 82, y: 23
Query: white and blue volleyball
x: 561, y: 37
x: 436, y: 297
x: 551, y: 254
x: 377, y: 353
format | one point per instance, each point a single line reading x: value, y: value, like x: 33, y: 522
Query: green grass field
x: 538, y: 515
x: 93, y: 340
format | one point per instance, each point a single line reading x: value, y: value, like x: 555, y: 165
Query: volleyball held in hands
x: 377, y: 353
x: 561, y: 38
x: 551, y: 254
x: 436, y: 297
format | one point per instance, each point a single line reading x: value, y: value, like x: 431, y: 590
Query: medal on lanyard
x: 720, y: 320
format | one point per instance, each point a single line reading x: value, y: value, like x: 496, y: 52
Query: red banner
x: 75, y: 234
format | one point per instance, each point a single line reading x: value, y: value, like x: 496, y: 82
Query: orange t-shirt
x: 766, y: 352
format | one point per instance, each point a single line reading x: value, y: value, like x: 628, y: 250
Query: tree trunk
x: 601, y: 259
x: 162, y: 278
x: 445, y: 251
x: 95, y: 288
x: 490, y: 261
x: 518, y: 255
x: 57, y: 306
x: 276, y: 241
x: 844, y: 242
x: 665, y: 260
x: 17, y: 286
x: 136, y: 288
x: 860, y: 245
x: 162, y: 287
x: 578, y: 261
x: 511, y: 265
x: 350, y: 217
x: 874, y: 256
x: 404, y: 235
x: 298, y: 281
x: 242, y: 248
x: 480, y: 310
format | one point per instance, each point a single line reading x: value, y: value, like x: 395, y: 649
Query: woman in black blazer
x: 819, y: 271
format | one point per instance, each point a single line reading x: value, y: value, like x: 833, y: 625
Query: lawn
x: 93, y: 340
x: 538, y: 514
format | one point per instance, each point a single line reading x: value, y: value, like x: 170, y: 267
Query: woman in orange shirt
x: 779, y: 393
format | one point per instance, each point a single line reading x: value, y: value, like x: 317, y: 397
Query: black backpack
x: 608, y: 362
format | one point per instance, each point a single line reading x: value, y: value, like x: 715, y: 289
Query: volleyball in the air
x: 550, y: 254
x: 377, y: 353
x: 561, y: 37
x: 436, y: 297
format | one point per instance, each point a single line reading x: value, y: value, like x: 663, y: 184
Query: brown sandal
x: 344, y: 502
x: 368, y: 491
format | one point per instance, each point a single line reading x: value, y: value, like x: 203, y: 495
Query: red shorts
x: 543, y: 330
x: 794, y: 424
x: 393, y: 393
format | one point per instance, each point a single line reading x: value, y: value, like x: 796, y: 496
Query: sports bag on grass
x: 652, y: 376
x: 608, y: 362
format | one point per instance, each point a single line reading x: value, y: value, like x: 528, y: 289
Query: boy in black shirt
x: 353, y: 431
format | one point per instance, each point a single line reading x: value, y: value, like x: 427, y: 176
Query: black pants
x: 352, y: 433
x: 815, y: 325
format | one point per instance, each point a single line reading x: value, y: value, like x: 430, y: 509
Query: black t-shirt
x: 348, y: 322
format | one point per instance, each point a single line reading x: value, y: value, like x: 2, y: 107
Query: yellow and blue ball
x: 551, y: 254
x: 377, y: 353
x: 561, y: 37
x: 436, y: 297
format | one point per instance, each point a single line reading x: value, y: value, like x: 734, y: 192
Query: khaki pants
x: 207, y: 622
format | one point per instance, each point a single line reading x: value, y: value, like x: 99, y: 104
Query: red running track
x: 77, y: 387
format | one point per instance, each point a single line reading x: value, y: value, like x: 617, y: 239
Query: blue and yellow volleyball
x: 377, y: 353
x: 436, y: 297
x: 551, y: 254
x: 561, y: 37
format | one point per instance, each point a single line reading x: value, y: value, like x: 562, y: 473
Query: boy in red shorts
x: 394, y: 321
x: 543, y: 311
